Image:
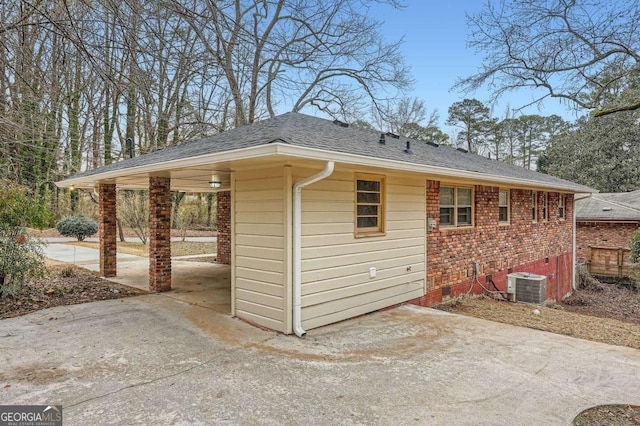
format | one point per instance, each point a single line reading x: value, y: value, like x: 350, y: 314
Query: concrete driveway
x: 156, y: 360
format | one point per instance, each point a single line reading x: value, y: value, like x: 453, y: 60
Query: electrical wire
x: 475, y: 279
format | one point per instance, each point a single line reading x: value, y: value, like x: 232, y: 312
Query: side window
x: 503, y: 207
x: 447, y: 206
x: 545, y: 206
x: 456, y: 206
x: 561, y: 204
x: 534, y: 206
x: 369, y: 205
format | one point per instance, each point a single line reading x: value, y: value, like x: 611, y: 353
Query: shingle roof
x: 312, y: 132
x: 614, y: 206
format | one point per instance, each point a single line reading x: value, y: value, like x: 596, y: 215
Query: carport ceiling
x: 186, y: 179
x: 191, y: 179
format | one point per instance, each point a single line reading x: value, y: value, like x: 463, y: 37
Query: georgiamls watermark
x: 30, y: 415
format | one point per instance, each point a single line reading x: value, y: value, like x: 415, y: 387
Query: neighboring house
x: 322, y: 221
x: 606, y: 220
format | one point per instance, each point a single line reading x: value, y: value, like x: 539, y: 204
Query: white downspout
x: 297, y: 245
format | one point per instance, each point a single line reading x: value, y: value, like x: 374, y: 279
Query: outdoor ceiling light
x: 215, y: 184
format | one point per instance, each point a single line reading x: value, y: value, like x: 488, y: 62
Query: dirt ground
x: 621, y: 415
x: 618, y: 309
x: 63, y: 284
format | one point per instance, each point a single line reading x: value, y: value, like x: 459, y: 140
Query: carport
x: 196, y: 282
x: 159, y: 219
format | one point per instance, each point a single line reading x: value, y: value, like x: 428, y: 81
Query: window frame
x: 381, y: 215
x: 456, y: 207
x: 534, y: 206
x: 545, y: 206
x: 562, y: 206
x: 507, y: 206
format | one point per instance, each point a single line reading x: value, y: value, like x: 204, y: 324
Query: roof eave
x: 284, y: 149
x: 201, y: 160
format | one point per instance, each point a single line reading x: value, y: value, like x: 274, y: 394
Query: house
x: 606, y: 220
x: 327, y: 221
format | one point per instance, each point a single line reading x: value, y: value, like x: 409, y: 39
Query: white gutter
x: 297, y: 245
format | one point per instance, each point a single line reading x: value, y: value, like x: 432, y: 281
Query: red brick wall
x: 159, y: 234
x: 223, y: 209
x: 602, y: 234
x: 108, y: 247
x: 542, y: 247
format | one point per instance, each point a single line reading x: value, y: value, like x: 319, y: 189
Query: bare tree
x: 571, y: 50
x: 393, y: 115
x: 328, y: 55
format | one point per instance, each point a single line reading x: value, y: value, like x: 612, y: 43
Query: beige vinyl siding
x: 259, y: 247
x: 335, y: 264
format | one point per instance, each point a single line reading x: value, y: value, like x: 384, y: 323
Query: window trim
x: 381, y: 228
x: 508, y: 206
x: 534, y: 206
x: 456, y: 207
x: 562, y: 206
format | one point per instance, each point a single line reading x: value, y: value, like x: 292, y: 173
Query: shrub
x: 77, y: 226
x: 21, y: 257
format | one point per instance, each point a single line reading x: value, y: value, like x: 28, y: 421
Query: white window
x: 369, y: 205
x: 503, y: 206
x: 456, y: 206
x: 561, y: 204
x: 534, y: 206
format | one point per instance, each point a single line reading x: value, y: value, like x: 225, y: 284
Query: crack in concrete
x: 148, y: 382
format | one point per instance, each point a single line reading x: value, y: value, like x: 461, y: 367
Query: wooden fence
x: 609, y: 261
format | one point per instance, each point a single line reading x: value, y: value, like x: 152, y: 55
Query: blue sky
x: 435, y: 35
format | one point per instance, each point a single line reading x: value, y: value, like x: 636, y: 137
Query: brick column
x: 223, y: 210
x: 108, y: 248
x: 159, y: 234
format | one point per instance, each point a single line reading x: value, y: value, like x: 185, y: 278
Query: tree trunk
x: 120, y: 231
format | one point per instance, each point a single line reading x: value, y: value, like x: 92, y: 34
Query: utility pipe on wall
x: 297, y: 245
x: 574, y: 260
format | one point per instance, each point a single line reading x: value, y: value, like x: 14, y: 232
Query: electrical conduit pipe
x: 297, y: 245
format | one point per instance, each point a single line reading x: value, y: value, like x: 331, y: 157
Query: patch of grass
x: 178, y: 248
x: 188, y: 248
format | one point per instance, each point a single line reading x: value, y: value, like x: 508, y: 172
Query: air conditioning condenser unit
x: 527, y: 288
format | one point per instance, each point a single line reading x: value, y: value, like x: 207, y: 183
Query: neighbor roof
x: 316, y: 135
x: 616, y: 206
